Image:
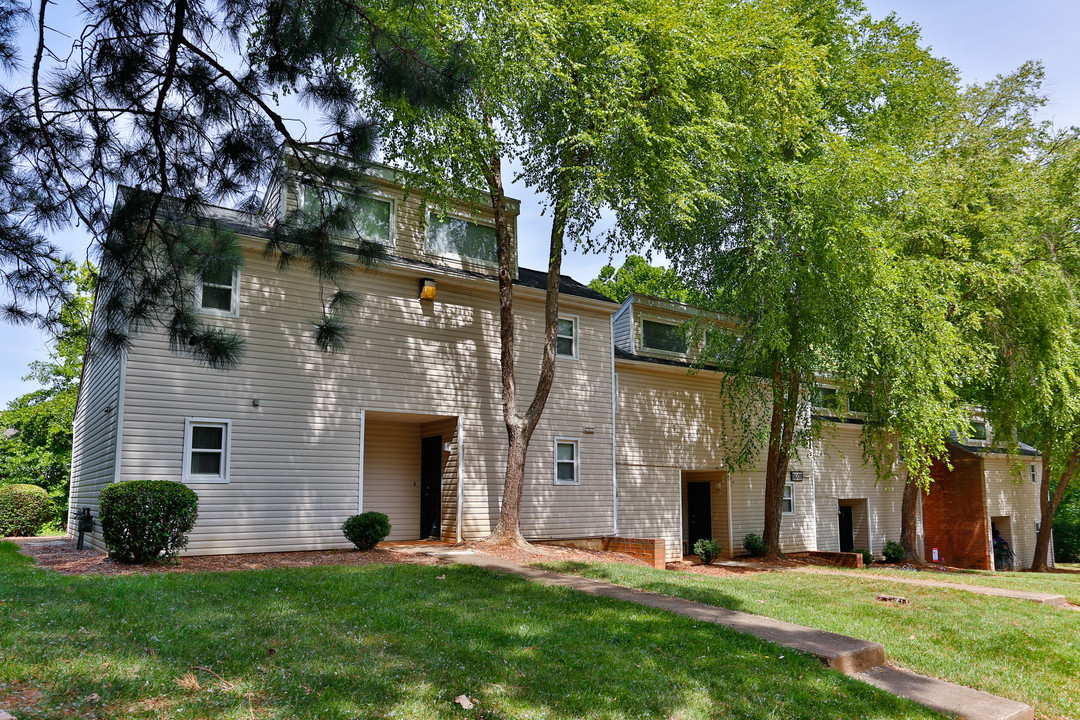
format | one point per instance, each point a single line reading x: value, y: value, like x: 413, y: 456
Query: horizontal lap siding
x: 839, y: 473
x: 392, y: 475
x: 1017, y: 497
x: 649, y: 505
x: 622, y: 328
x: 93, y: 452
x: 797, y: 532
x: 299, y: 450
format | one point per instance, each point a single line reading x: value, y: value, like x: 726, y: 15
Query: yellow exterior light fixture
x: 427, y: 289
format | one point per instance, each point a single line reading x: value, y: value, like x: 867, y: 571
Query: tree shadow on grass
x: 391, y: 641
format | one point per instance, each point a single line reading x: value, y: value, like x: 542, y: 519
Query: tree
x: 36, y: 429
x: 637, y: 276
x: 807, y: 256
x: 605, y: 105
x: 145, y: 118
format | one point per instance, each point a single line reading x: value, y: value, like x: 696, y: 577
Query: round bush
x: 143, y: 520
x: 893, y: 552
x: 708, y: 550
x: 754, y: 544
x: 366, y: 530
x: 23, y: 510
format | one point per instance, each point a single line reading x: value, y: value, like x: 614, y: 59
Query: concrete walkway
x: 860, y: 659
x: 1035, y: 597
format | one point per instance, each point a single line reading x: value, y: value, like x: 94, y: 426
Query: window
x: 978, y: 431
x: 218, y: 293
x: 824, y: 398
x: 788, y: 503
x: 566, y: 462
x: 566, y: 345
x: 1034, y: 474
x: 460, y: 238
x: 663, y: 336
x: 206, y: 450
x: 371, y: 215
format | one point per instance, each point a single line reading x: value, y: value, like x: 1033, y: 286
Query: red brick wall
x: 955, y: 513
x: 649, y: 549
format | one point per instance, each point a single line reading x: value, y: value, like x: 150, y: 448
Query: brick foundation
x: 651, y: 550
x: 955, y: 514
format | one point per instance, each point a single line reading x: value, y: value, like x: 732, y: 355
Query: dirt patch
x: 59, y: 554
x: 18, y: 696
x: 539, y: 553
x: 719, y: 570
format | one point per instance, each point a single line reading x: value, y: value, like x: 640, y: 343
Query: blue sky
x: 983, y: 39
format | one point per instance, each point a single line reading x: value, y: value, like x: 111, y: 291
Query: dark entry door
x: 847, y: 529
x: 698, y: 513
x: 431, y: 487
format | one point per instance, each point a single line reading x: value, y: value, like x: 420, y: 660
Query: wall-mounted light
x: 427, y: 289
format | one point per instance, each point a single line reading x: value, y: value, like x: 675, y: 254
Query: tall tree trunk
x: 520, y: 428
x: 909, y: 520
x: 1049, y: 503
x: 781, y: 433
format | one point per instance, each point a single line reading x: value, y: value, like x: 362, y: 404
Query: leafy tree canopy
x: 637, y: 276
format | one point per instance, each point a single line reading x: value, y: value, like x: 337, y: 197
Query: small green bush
x: 893, y: 552
x: 754, y: 544
x: 144, y: 520
x: 366, y: 530
x: 867, y: 556
x: 708, y: 550
x: 23, y: 510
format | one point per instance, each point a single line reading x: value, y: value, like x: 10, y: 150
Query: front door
x: 847, y: 528
x: 698, y: 513
x: 431, y: 462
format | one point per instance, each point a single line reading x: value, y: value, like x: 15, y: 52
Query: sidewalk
x: 861, y: 659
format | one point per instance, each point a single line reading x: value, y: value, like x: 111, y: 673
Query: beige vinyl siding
x: 1016, y: 497
x: 295, y: 458
x: 839, y: 473
x: 668, y: 421
x: 392, y: 475
x: 623, y: 327
x: 95, y: 427
x: 650, y: 505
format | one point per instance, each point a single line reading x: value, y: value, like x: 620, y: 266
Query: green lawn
x: 1012, y: 648
x: 385, y: 641
x: 1067, y: 584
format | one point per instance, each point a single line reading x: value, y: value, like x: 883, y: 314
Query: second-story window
x: 978, y: 430
x: 218, y: 292
x: 371, y: 215
x: 662, y: 336
x: 567, y: 342
x: 455, y: 237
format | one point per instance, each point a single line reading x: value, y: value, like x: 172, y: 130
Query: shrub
x: 23, y: 509
x: 867, y: 556
x: 708, y: 550
x: 366, y: 530
x: 143, y: 520
x: 754, y: 544
x: 893, y: 552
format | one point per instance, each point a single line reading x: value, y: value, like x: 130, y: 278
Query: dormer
x: 412, y: 224
x: 653, y: 327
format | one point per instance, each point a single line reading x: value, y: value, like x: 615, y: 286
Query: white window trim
x: 187, y: 476
x: 989, y: 434
x: 577, y: 460
x: 1034, y: 474
x: 577, y: 333
x: 660, y: 351
x: 458, y: 215
x: 793, y: 506
x: 378, y: 193
x: 234, y: 300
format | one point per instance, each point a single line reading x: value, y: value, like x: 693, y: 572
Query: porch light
x: 427, y: 289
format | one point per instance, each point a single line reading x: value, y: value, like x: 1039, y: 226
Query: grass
x: 384, y: 641
x: 1067, y: 584
x: 1012, y: 648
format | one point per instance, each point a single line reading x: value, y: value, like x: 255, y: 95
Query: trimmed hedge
x: 708, y: 550
x: 893, y: 552
x: 366, y: 530
x: 23, y: 510
x: 144, y: 520
x: 754, y: 544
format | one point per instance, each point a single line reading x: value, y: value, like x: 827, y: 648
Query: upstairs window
x: 978, y: 431
x: 371, y: 215
x: 218, y: 293
x: 824, y: 398
x: 567, y: 342
x: 206, y: 450
x: 1034, y: 474
x: 566, y: 462
x: 455, y: 237
x: 663, y: 336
